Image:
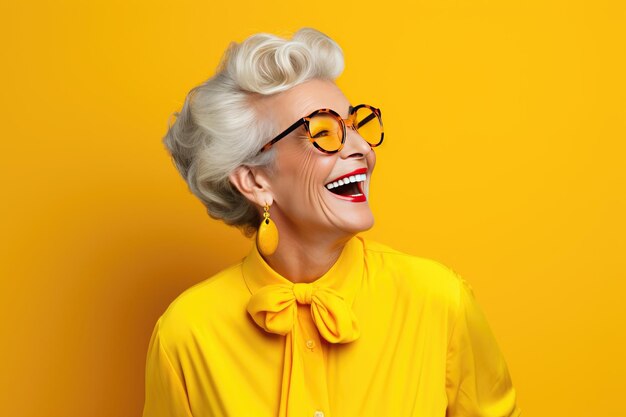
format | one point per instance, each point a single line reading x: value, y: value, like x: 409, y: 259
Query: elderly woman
x: 316, y: 321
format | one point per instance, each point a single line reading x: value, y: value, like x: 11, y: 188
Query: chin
x: 355, y: 226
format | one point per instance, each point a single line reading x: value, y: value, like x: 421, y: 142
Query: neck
x: 302, y: 260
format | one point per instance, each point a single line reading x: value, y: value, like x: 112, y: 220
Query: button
x: 318, y: 413
x: 311, y: 344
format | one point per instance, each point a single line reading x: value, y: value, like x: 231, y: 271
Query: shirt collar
x: 344, y: 276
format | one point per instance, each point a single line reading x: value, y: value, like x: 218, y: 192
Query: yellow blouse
x: 382, y: 334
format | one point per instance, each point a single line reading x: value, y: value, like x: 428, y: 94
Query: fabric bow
x: 274, y: 308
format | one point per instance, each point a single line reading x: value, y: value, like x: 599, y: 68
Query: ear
x: 252, y: 183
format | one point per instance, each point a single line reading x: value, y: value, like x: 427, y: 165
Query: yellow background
x: 504, y: 159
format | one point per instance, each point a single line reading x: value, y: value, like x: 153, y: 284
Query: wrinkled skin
x: 313, y: 223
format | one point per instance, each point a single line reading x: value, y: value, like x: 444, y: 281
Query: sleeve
x: 477, y: 379
x: 166, y: 395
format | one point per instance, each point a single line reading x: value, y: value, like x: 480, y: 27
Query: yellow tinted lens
x: 326, y: 131
x: 368, y: 125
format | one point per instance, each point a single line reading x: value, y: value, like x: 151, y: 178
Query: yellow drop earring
x: 267, y: 235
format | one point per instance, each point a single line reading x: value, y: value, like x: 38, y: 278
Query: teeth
x: 347, y: 180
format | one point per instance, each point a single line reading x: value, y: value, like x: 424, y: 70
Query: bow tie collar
x: 275, y: 299
x: 274, y: 308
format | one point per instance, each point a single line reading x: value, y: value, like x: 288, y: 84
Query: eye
x: 321, y: 134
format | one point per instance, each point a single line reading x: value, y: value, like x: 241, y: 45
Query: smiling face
x: 307, y: 194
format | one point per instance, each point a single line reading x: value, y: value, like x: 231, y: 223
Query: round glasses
x: 326, y: 129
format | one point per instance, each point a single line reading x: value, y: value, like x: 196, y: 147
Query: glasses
x: 326, y: 129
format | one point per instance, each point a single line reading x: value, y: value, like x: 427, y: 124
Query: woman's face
x: 301, y: 200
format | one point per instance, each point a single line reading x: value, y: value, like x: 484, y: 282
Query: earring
x: 267, y: 235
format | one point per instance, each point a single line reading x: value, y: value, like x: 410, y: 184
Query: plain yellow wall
x: 504, y: 158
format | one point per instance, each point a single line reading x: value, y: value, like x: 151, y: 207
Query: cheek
x: 314, y: 168
x: 302, y: 174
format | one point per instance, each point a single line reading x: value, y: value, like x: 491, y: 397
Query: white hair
x: 218, y: 128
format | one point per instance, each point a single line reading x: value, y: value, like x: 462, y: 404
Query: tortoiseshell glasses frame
x: 372, y: 139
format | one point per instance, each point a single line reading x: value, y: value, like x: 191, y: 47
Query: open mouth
x: 349, y: 186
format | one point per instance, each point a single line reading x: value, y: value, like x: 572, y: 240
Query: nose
x: 355, y: 146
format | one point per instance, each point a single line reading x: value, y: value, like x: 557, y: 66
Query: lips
x: 349, y: 186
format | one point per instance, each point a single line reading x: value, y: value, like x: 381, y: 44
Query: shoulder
x: 202, y: 305
x: 411, y: 272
